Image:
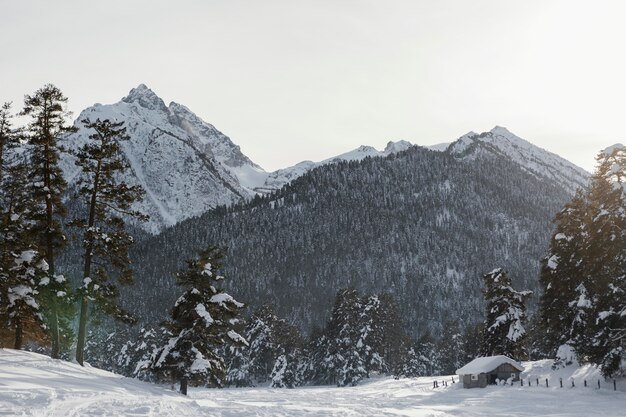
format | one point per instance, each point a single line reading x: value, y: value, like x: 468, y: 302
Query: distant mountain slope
x: 275, y: 180
x: 531, y: 158
x: 185, y: 165
x: 423, y: 225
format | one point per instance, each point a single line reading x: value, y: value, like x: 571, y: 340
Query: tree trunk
x: 19, y: 333
x: 84, y: 305
x: 82, y: 331
x: 54, y: 317
x: 183, y: 386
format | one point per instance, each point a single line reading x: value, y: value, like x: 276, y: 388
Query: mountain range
x: 421, y: 224
x: 187, y: 166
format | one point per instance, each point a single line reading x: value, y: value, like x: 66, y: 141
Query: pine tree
x: 563, y: 271
x: 451, y: 348
x: 505, y: 315
x: 606, y: 282
x: 472, y: 342
x: 21, y: 266
x: 9, y: 139
x: 106, y: 243
x: 144, y: 352
x: 46, y: 109
x: 343, y: 359
x: 421, y: 359
x: 202, y: 320
x: 583, y: 307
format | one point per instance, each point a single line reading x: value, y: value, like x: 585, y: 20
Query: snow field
x: 35, y: 385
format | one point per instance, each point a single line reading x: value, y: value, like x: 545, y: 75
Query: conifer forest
x: 406, y: 264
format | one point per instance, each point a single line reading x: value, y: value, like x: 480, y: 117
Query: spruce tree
x: 505, y: 315
x: 451, y: 348
x: 606, y: 283
x: 563, y: 270
x: 202, y: 320
x: 105, y: 241
x: 22, y: 269
x: 46, y: 109
x: 21, y: 266
x: 582, y: 307
x: 9, y: 139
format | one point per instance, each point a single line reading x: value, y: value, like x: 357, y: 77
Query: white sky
x: 291, y: 80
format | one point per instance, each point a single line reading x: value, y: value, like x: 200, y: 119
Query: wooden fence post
x: 598, y: 384
x: 546, y: 382
x: 614, y: 385
x: 537, y: 381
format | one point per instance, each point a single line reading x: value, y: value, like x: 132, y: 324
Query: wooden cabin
x: 485, y: 371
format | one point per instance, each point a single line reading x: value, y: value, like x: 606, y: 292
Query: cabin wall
x: 481, y: 382
x: 505, y: 371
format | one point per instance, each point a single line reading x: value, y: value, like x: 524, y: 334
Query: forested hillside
x: 421, y: 225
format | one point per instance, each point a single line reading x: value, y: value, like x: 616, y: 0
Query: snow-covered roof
x: 487, y: 364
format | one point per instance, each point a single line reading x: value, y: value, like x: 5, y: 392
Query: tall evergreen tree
x: 451, y: 348
x: 21, y: 266
x: 505, y: 315
x: 202, y: 320
x: 606, y: 282
x: 9, y: 139
x: 563, y: 271
x: 105, y: 241
x: 46, y: 109
x: 583, y: 279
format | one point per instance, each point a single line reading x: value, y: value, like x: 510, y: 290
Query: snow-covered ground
x: 35, y: 385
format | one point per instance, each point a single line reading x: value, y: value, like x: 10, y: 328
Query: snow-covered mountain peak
x: 395, y: 147
x: 501, y: 142
x: 502, y: 131
x: 185, y: 165
x: 146, y: 98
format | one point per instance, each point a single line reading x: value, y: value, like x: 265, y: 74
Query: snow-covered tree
x: 47, y: 112
x: 106, y: 264
x: 451, y: 348
x: 288, y: 370
x: 421, y: 359
x: 202, y: 319
x: 270, y: 339
x: 583, y: 279
x: 606, y: 282
x: 563, y: 270
x: 505, y: 315
x: 21, y: 266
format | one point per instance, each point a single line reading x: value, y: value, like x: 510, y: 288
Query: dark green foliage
x: 202, y: 320
x: 472, y: 342
x: 413, y: 224
x: 105, y: 240
x: 562, y: 271
x: 583, y: 304
x: 360, y: 335
x: 269, y: 337
x: 451, y: 348
x: 46, y: 110
x: 21, y: 265
x: 422, y: 358
x: 505, y: 314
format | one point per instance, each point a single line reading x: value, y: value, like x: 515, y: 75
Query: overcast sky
x: 293, y: 80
